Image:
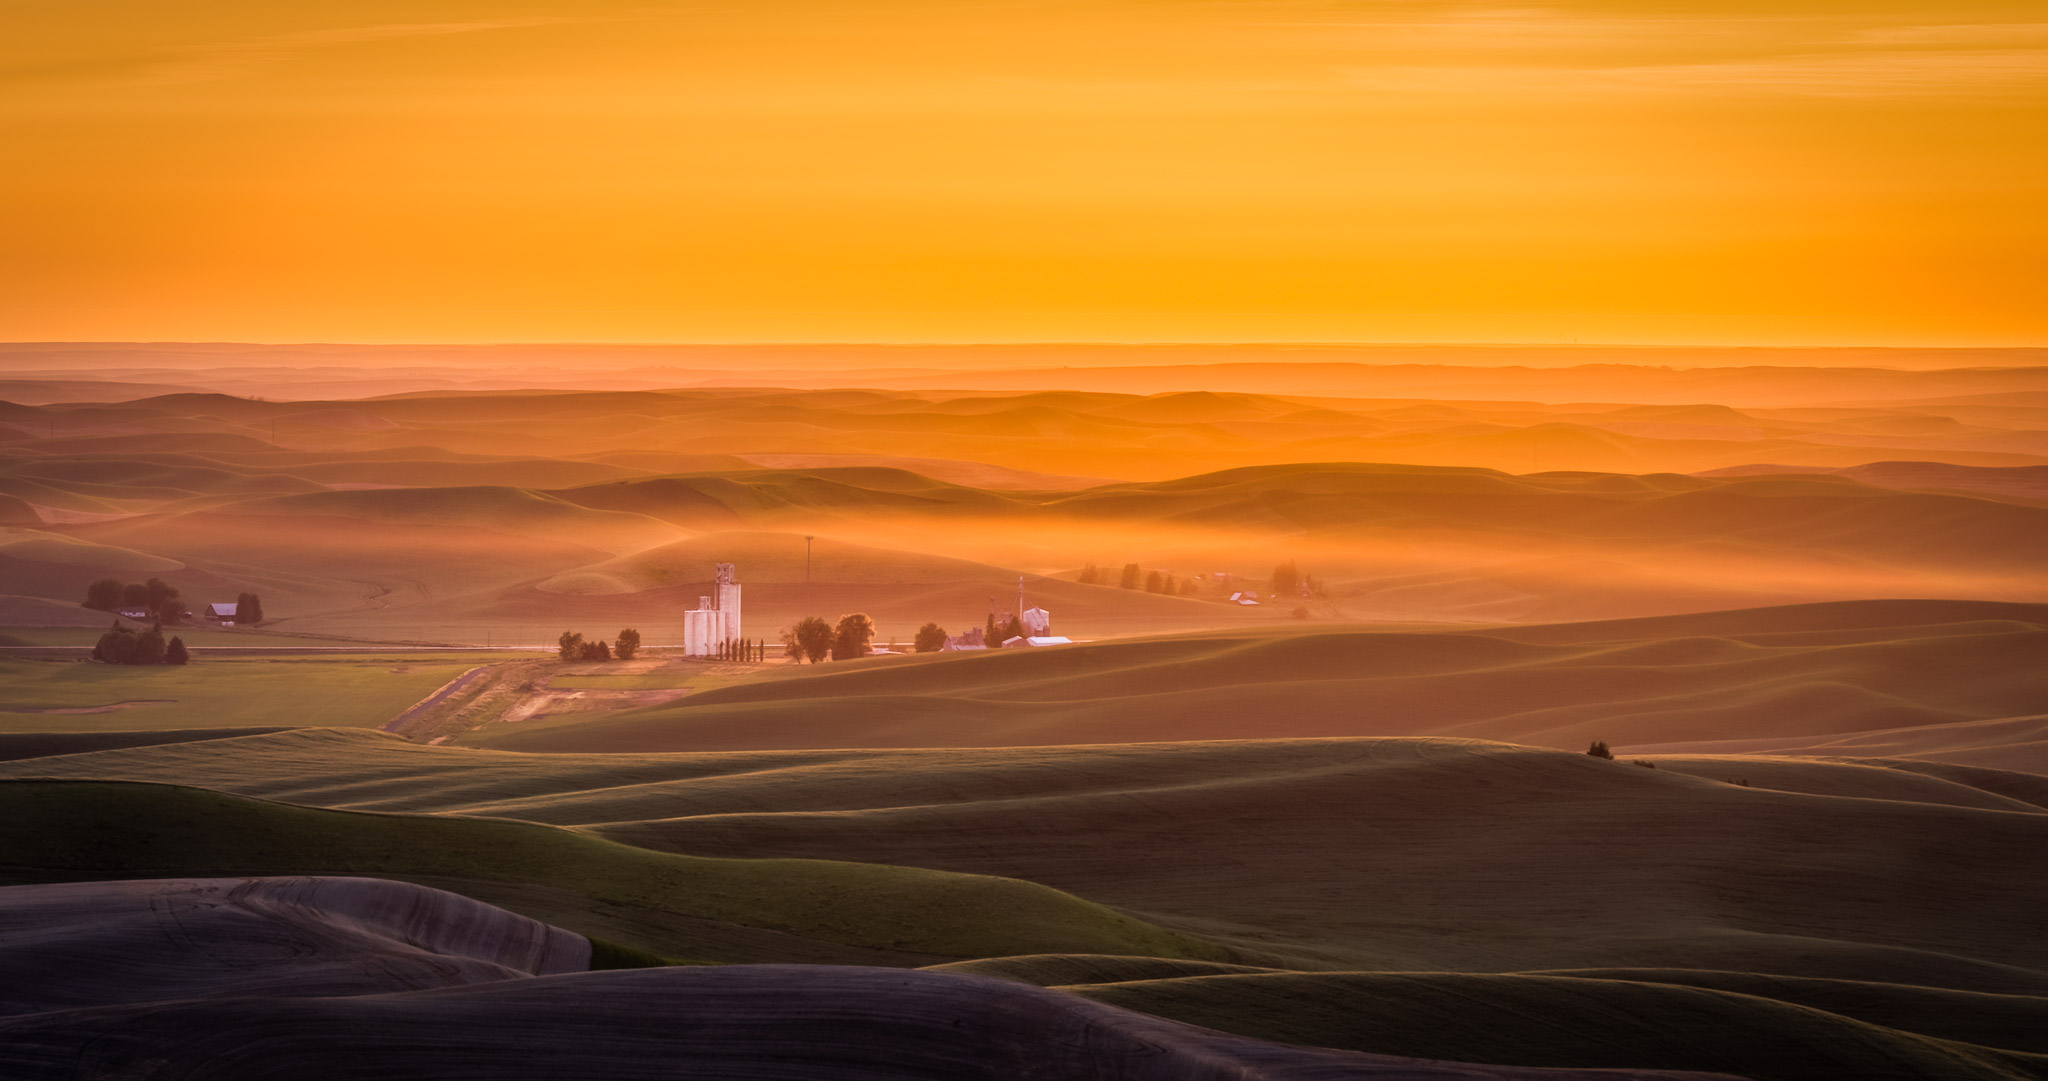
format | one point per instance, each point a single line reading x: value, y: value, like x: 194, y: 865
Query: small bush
x: 1645, y: 763
x: 1743, y: 781
x: 1599, y: 750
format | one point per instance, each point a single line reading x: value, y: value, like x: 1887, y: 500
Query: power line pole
x: 807, y: 559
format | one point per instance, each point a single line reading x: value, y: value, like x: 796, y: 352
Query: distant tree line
x: 571, y: 647
x: 1287, y: 581
x: 157, y: 598
x: 159, y: 601
x: 123, y: 646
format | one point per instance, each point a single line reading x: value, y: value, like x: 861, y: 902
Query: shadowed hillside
x: 1378, y: 895
x: 710, y: 909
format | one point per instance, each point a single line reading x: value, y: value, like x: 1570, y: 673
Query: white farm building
x: 716, y: 619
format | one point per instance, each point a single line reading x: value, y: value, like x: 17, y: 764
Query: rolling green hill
x: 711, y: 909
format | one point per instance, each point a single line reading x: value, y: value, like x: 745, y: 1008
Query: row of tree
x: 1287, y: 580
x: 752, y: 650
x: 123, y: 646
x: 156, y: 597
x: 813, y: 639
x: 571, y: 646
x: 1134, y: 576
x: 159, y: 601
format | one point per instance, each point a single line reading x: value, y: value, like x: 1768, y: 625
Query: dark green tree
x: 1090, y: 575
x: 931, y: 638
x: 853, y: 636
x: 116, y: 646
x: 149, y: 647
x: 174, y: 653
x: 248, y: 609
x: 1286, y: 580
x: 1130, y: 576
x: 1155, y: 583
x: 1599, y: 750
x: 812, y: 639
x: 135, y: 595
x: 104, y: 594
x: 569, y: 646
x: 1014, y: 630
x: 159, y: 591
x: 596, y: 651
x: 629, y: 644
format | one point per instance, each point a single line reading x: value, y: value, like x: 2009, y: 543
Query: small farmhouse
x: 1036, y: 641
x: 223, y: 614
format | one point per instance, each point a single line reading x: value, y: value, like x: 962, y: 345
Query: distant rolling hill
x: 1384, y: 542
x: 1792, y: 673
x: 2027, y: 483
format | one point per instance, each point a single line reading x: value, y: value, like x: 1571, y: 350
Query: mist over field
x: 1294, y: 778
x: 1382, y: 540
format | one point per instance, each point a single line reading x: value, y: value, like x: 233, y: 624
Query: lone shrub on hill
x: 1645, y: 763
x: 850, y: 640
x: 931, y: 637
x: 569, y: 646
x: 628, y: 644
x: 1599, y: 750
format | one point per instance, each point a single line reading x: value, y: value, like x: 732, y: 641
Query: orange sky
x: 1822, y: 171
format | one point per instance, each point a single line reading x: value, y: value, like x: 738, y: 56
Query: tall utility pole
x: 1020, y: 596
x: 807, y: 559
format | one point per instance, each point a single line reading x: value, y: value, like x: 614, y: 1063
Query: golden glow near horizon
x: 441, y: 170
